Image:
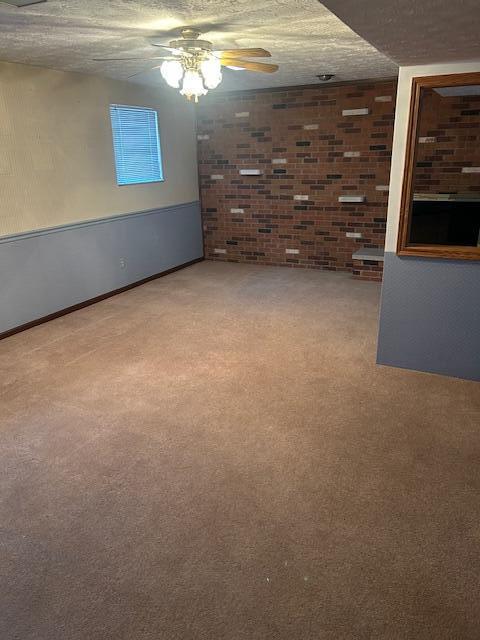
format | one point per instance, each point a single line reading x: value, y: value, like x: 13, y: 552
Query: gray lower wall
x: 45, y: 271
x: 430, y: 316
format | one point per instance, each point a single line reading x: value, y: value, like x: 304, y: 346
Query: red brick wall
x: 452, y: 125
x: 258, y: 218
x: 368, y: 270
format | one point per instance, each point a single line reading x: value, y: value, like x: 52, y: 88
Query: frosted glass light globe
x: 172, y: 72
x: 211, y: 71
x: 193, y: 85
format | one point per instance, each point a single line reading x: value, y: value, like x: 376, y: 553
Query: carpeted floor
x: 215, y: 455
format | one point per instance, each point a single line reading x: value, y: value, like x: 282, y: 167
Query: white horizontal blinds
x: 136, y: 144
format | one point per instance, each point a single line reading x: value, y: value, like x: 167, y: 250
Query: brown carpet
x: 215, y: 455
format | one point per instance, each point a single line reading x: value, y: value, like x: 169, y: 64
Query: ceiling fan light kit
x: 194, y: 74
x: 197, y: 70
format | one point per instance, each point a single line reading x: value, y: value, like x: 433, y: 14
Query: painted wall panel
x: 56, y: 161
x: 430, y: 316
x: 44, y: 272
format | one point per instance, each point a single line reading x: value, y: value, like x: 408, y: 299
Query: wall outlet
x: 123, y: 263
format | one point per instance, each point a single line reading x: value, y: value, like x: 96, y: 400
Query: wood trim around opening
x: 404, y: 248
x: 87, y: 303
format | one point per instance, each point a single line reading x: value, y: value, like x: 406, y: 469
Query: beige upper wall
x: 400, y: 135
x: 56, y: 155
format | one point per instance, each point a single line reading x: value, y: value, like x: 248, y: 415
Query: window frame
x: 158, y: 139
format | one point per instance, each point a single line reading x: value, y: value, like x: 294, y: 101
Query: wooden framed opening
x: 440, y: 205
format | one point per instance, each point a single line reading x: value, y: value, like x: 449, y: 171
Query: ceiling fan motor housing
x: 190, y: 41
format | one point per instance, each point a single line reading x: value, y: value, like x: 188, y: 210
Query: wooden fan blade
x: 117, y: 59
x: 250, y: 66
x: 240, y: 53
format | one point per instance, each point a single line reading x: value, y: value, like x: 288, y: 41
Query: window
x: 136, y: 145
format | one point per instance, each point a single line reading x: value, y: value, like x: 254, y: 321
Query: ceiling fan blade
x: 118, y: 59
x: 250, y: 66
x: 240, y: 53
x: 178, y: 52
x: 139, y: 73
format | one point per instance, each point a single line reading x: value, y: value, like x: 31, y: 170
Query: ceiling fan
x: 193, y: 66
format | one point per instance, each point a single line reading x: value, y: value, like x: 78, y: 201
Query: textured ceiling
x: 415, y: 31
x: 304, y: 38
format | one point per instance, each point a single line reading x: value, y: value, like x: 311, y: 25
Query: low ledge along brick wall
x: 319, y: 164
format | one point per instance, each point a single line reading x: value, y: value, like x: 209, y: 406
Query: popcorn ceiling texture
x: 303, y: 36
x: 454, y: 125
x: 294, y: 203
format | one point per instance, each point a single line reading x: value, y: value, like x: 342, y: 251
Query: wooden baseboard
x: 86, y: 303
